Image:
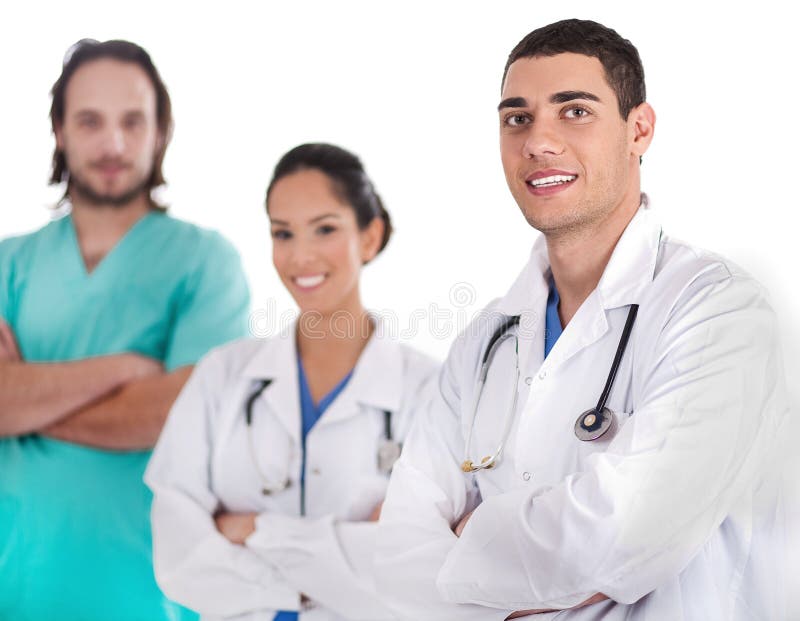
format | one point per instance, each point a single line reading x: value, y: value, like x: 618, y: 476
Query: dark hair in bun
x: 350, y: 181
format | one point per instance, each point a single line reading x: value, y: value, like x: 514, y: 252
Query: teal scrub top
x: 75, y: 540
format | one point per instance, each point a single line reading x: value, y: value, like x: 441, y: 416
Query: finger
x: 376, y: 513
x: 6, y: 351
x: 8, y: 341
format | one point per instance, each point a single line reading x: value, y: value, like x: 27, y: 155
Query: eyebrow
x: 312, y: 221
x: 565, y: 96
x: 135, y: 112
x: 556, y: 98
x: 513, y: 102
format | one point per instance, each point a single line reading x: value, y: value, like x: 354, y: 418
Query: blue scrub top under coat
x: 310, y: 414
x: 552, y: 322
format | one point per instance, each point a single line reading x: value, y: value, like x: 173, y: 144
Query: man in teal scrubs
x: 102, y: 315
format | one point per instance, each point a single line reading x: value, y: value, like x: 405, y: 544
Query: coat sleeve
x: 700, y: 440
x: 194, y: 564
x: 329, y: 560
x: 427, y: 495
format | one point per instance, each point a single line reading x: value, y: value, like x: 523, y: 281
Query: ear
x: 58, y: 130
x: 162, y: 140
x: 371, y: 238
x: 641, y: 125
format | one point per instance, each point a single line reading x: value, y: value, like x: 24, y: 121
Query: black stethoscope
x: 388, y: 451
x: 592, y: 424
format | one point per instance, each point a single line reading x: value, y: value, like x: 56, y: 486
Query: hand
x: 597, y: 597
x: 462, y: 523
x: 376, y: 513
x: 9, y: 351
x: 236, y: 527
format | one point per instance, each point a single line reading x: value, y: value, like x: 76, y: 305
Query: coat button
x: 542, y: 375
x: 528, y: 380
x: 526, y: 476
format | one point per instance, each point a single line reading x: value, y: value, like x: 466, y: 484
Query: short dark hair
x: 349, y: 179
x: 87, y: 50
x: 619, y: 57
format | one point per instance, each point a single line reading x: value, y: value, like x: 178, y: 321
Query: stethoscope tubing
x: 623, y: 344
x: 501, y: 334
x: 268, y: 489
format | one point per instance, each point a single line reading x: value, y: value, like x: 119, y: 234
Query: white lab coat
x: 202, y: 464
x: 675, y: 518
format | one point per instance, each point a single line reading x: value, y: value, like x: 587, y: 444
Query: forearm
x: 129, y: 419
x: 36, y: 395
x: 198, y: 567
x: 330, y: 561
x: 598, y: 597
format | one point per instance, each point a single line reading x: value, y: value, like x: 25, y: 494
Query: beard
x: 78, y: 185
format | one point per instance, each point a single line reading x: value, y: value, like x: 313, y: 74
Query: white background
x: 412, y: 88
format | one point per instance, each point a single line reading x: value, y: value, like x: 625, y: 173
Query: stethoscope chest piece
x: 388, y: 452
x: 593, y: 424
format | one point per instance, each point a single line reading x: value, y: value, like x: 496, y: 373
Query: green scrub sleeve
x: 213, y: 307
x: 6, y: 279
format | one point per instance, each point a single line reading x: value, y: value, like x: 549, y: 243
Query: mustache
x: 107, y: 162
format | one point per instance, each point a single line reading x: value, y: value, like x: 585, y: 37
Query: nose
x: 114, y: 141
x: 303, y: 253
x: 543, y: 140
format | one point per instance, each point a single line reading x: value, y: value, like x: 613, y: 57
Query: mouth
x: 309, y: 282
x: 109, y: 169
x: 544, y: 183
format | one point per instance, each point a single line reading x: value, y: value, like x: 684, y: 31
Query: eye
x: 516, y: 119
x: 281, y: 234
x: 89, y: 122
x: 326, y: 229
x: 132, y: 122
x: 576, y: 112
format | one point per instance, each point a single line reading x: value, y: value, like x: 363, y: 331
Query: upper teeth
x: 552, y: 180
x: 309, y: 281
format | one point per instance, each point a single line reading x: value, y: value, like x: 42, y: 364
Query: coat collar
x: 276, y: 360
x: 629, y: 271
x: 376, y: 380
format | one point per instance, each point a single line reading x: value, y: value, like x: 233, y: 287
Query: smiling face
x: 318, y: 249
x: 570, y: 160
x: 109, y: 134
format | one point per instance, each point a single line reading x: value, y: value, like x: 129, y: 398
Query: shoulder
x: 416, y: 361
x: 22, y: 246
x: 233, y: 358
x: 187, y: 234
x: 13, y: 248
x: 686, y: 275
x: 468, y: 347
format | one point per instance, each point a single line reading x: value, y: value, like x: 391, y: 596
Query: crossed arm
x: 597, y: 597
x: 115, y: 402
x: 706, y: 427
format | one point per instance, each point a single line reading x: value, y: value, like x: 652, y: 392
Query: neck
x: 100, y: 227
x: 342, y: 334
x: 579, y: 259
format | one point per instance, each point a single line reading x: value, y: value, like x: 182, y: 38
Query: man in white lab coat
x: 630, y: 415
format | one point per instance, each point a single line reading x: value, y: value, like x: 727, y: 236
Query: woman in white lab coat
x: 274, y: 461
